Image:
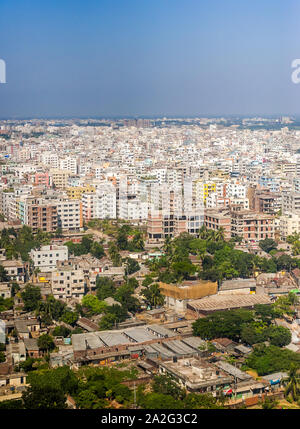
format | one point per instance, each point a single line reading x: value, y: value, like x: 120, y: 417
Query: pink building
x: 42, y: 179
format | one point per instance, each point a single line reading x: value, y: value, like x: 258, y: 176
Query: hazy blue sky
x: 149, y: 57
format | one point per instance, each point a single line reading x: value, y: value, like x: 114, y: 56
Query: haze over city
x: 156, y: 58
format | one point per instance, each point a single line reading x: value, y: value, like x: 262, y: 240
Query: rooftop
x: 227, y: 302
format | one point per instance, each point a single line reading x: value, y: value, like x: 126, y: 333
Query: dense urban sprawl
x: 150, y: 263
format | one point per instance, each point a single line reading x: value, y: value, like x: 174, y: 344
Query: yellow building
x: 203, y: 189
x: 177, y: 296
x: 75, y: 192
x: 59, y: 177
x: 208, y: 188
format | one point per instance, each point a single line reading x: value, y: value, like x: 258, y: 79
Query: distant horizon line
x: 162, y: 116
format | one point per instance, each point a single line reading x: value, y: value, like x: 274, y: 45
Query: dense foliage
x: 268, y: 359
x: 86, y: 246
x: 18, y: 242
x: 249, y: 326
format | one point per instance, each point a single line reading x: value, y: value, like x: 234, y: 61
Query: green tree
x: 61, y: 331
x: 268, y: 359
x: 16, y: 404
x: 219, y: 324
x: 51, y: 309
x: 44, y: 398
x: 148, y: 280
x: 105, y: 288
x: 199, y: 247
x: 159, y: 401
x: 45, y: 342
x: 114, y: 254
x: 131, y: 266
x: 267, y: 244
x: 97, y: 250
x: 201, y: 401
x: 296, y: 248
x: 70, y: 317
x: 279, y: 336
x: 6, y: 303
x: 87, y: 400
x: 269, y: 404
x: 3, y: 275
x: 265, y: 313
x: 153, y: 295
x: 251, y: 334
x: 220, y: 234
x: 293, y: 383
x: 92, y: 303
x: 125, y: 296
x: 166, y: 384
x: 31, y: 297
x: 30, y: 364
x: 137, y: 243
x: 184, y: 269
x: 58, y: 233
x: 122, y: 238
x: 292, y: 238
x: 108, y: 321
x: 14, y: 289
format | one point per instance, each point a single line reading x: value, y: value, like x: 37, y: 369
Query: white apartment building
x: 6, y: 198
x: 46, y: 257
x: 68, y: 282
x: 88, y: 205
x: 160, y: 173
x: 69, y: 163
x: 69, y: 214
x: 84, y: 169
x: 236, y: 190
x: 242, y: 202
x: 290, y: 202
x: 216, y: 201
x: 134, y: 210
x: 105, y: 202
x: 50, y: 159
x: 289, y: 224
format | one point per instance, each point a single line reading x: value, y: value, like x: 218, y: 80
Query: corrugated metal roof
x: 232, y: 370
x: 139, y: 334
x: 112, y: 338
x: 161, y: 330
x: 194, y: 342
x: 223, y: 302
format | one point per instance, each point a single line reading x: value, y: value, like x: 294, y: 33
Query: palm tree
x: 220, y: 234
x: 138, y: 241
x: 296, y: 248
x: 203, y: 232
x: 168, y: 247
x: 293, y: 385
x: 293, y: 299
x: 291, y: 239
x: 211, y: 235
x: 201, y: 254
x: 153, y: 295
